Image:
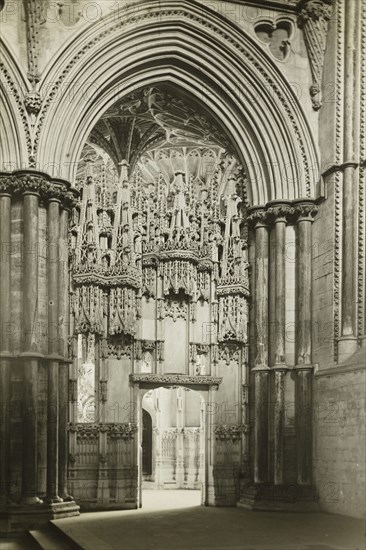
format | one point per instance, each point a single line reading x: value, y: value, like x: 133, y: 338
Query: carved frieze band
x: 313, y: 18
x: 125, y: 430
x: 234, y: 432
x: 361, y: 274
x: 178, y: 379
x: 337, y: 176
x: 18, y: 183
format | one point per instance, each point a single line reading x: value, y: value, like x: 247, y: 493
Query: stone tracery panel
x: 159, y: 279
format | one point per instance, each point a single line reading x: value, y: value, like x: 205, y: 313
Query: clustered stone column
x: 275, y: 216
x: 30, y: 355
x: 42, y: 203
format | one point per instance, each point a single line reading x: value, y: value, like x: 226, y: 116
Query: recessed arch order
x: 195, y: 49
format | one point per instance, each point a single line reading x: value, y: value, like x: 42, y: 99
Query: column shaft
x: 280, y: 290
x: 64, y: 367
x: 261, y: 370
x: 53, y: 350
x: 261, y: 295
x: 303, y: 423
x: 30, y: 315
x: 348, y: 340
x: 261, y: 426
x: 280, y: 358
x: 303, y: 369
x: 29, y: 470
x: 5, y: 274
x: 304, y: 292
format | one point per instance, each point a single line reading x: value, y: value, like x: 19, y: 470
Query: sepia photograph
x: 182, y: 274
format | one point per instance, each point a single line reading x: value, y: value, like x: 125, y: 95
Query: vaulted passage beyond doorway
x: 172, y: 444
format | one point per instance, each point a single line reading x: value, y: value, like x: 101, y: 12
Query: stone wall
x: 339, y: 440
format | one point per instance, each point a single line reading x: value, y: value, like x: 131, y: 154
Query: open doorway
x: 172, y: 448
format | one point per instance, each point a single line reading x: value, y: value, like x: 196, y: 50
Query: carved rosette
x: 314, y: 16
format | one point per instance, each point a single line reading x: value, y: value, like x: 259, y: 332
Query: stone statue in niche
x: 86, y: 398
x: 146, y: 362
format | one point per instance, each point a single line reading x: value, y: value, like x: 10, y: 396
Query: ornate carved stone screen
x: 159, y: 287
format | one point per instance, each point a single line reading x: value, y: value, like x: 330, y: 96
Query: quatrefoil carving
x: 277, y: 35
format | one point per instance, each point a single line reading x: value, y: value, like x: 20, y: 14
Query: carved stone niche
x: 277, y: 35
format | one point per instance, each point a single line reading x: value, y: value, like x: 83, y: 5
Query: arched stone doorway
x: 229, y: 82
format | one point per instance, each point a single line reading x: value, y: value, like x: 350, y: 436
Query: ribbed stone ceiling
x: 156, y: 118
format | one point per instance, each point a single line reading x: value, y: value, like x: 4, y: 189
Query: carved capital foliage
x: 288, y: 212
x: 89, y: 431
x: 257, y: 218
x: 305, y: 211
x: 84, y: 431
x: 313, y: 18
x: 126, y: 430
x: 18, y: 183
x: 279, y: 212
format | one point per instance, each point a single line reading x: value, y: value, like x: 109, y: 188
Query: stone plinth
x: 288, y: 497
x: 20, y: 518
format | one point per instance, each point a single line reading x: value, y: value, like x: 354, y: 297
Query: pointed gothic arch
x: 15, y: 133
x: 199, y: 51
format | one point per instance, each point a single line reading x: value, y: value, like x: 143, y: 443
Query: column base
x: 20, y: 518
x: 289, y: 497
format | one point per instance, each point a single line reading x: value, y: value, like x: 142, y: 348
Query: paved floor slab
x: 173, y: 520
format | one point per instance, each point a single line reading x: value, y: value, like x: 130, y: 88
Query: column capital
x: 21, y: 182
x: 280, y: 368
x: 257, y: 217
x: 304, y: 367
x: 304, y: 210
x: 261, y: 369
x: 279, y: 211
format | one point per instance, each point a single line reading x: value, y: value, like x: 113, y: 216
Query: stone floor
x: 174, y: 520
